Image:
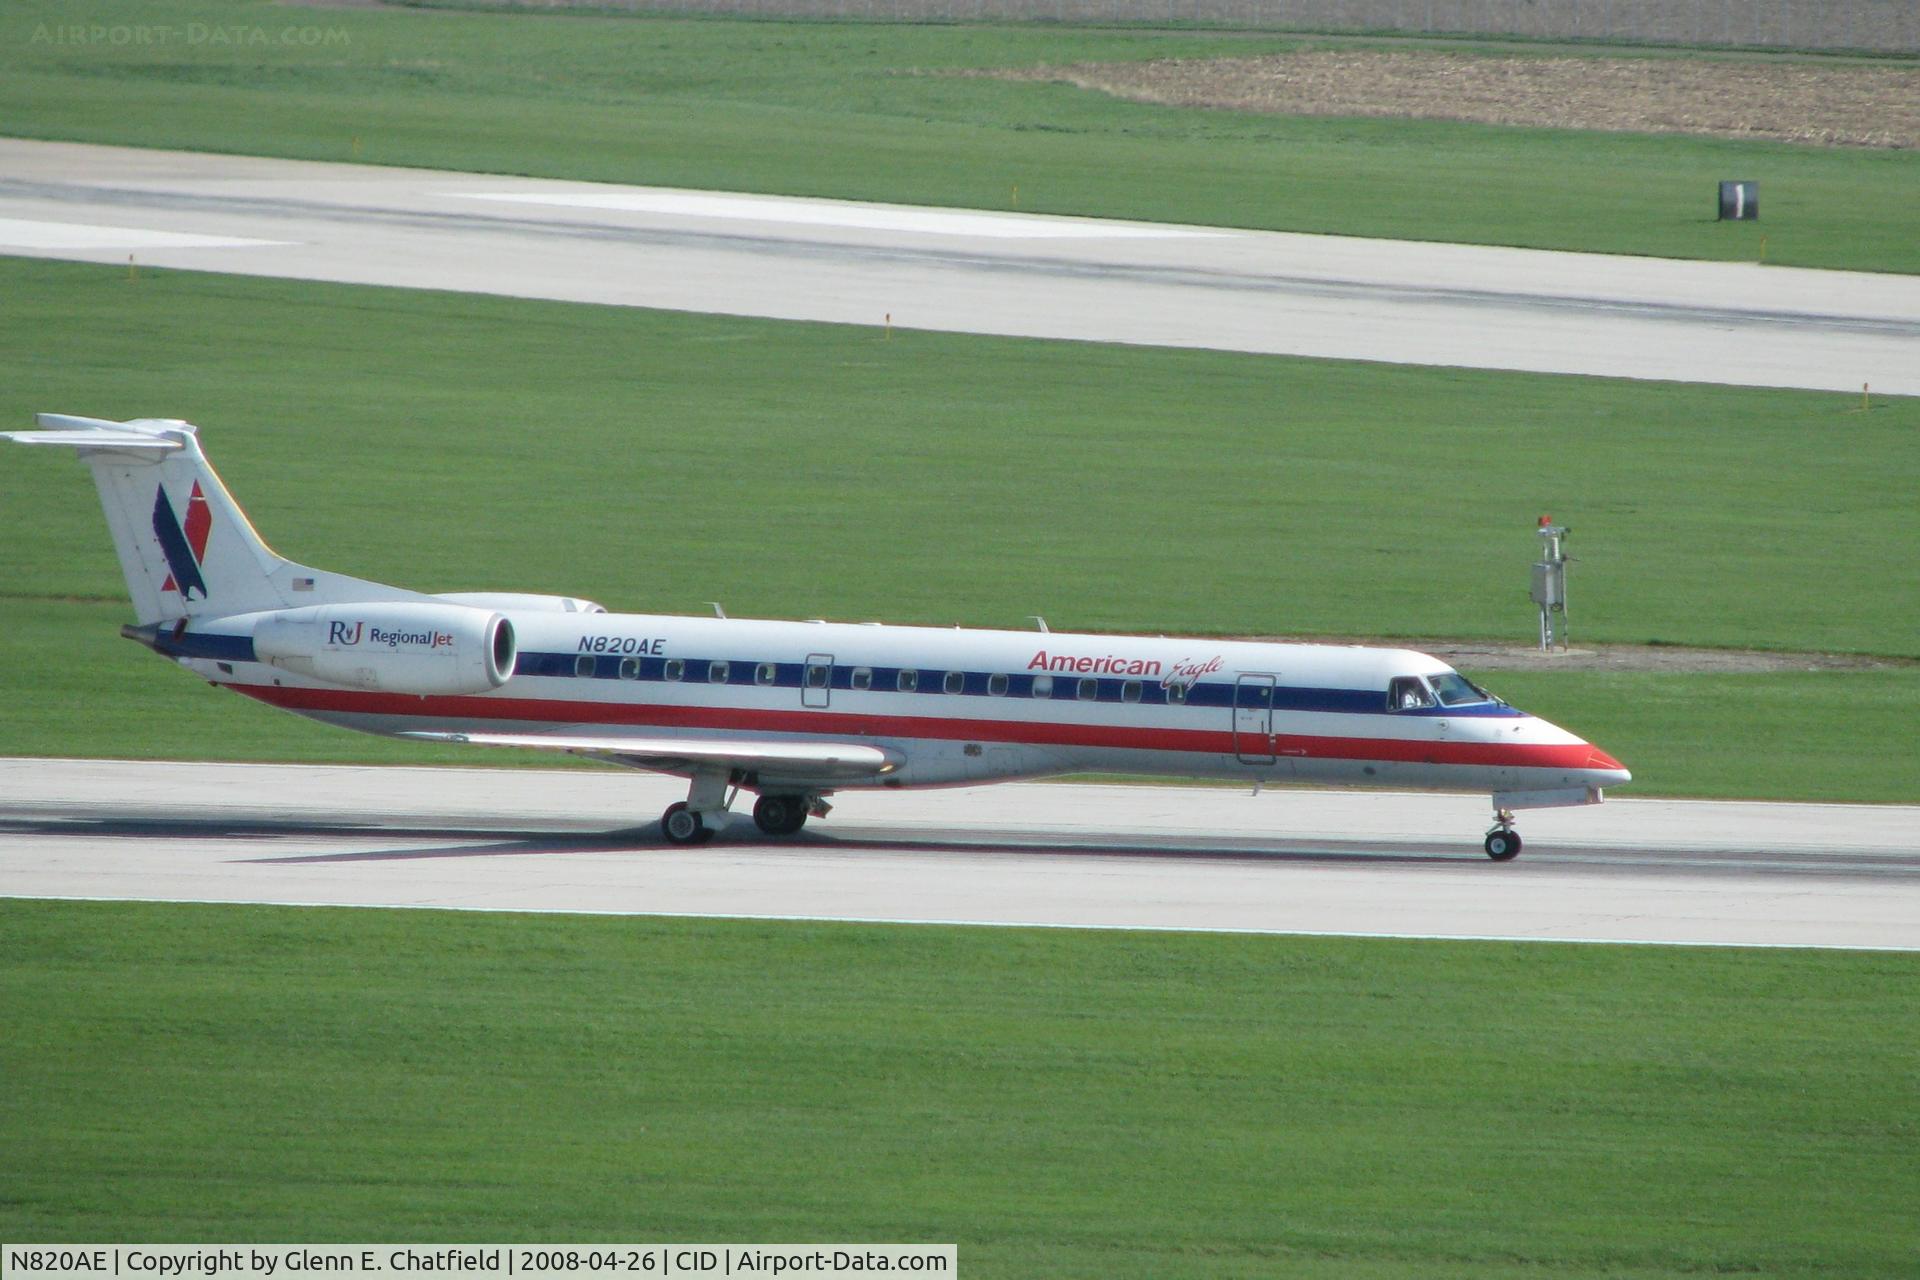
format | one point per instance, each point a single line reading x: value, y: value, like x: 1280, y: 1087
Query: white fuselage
x: 961, y: 706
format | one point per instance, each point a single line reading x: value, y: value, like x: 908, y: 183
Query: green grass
x: 1799, y: 735
x: 839, y: 109
x: 1059, y: 1103
x: 657, y: 461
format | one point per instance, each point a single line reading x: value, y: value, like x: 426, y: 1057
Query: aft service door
x: 1253, y: 718
x: 816, y: 680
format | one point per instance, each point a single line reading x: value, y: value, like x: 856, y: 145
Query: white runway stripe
x: 28, y: 233
x: 837, y: 213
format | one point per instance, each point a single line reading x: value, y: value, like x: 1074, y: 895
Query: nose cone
x: 1600, y: 762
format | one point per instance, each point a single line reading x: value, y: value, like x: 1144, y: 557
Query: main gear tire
x: 682, y: 825
x: 780, y: 815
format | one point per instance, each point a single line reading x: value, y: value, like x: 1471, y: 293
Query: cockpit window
x: 1408, y: 693
x: 1455, y: 690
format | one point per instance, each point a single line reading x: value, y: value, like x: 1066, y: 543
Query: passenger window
x: 997, y: 686
x: 764, y: 673
x: 819, y: 675
x: 908, y: 682
x: 1130, y: 691
x: 676, y: 667
x: 1408, y: 693
x: 956, y: 682
x: 1043, y: 686
x: 717, y: 672
x: 862, y: 678
x: 583, y: 666
x: 629, y: 668
x: 1176, y: 694
x: 1089, y: 689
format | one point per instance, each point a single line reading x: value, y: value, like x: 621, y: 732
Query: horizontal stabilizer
x: 156, y: 437
x: 822, y: 760
x: 124, y: 441
x: 139, y: 426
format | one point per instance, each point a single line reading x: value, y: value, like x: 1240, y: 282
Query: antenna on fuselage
x: 718, y: 612
x: 1040, y: 622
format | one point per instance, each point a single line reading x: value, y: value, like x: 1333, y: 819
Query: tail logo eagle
x: 184, y: 547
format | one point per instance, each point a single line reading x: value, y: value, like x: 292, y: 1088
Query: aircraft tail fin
x: 185, y: 546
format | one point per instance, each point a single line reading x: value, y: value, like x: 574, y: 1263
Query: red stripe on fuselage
x: 1572, y: 755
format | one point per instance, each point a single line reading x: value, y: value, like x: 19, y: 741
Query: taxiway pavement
x: 1184, y: 858
x: 965, y: 271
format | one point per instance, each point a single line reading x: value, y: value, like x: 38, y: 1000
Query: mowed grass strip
x: 861, y: 111
x: 657, y: 461
x: 1058, y: 1102
x: 1792, y: 735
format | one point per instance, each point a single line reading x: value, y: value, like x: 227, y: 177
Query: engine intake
x: 395, y: 648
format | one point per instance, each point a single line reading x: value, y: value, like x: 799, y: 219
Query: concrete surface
x: 966, y: 271
x: 1310, y: 862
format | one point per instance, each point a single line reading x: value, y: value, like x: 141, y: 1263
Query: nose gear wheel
x: 1503, y: 842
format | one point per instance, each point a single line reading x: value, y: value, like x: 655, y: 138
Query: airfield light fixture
x: 1549, y: 590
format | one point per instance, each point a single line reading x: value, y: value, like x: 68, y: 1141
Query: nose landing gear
x: 1503, y: 842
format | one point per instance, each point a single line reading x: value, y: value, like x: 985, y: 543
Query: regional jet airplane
x: 789, y: 711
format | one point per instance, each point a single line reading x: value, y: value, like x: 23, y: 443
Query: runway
x: 1046, y: 854
x: 965, y: 271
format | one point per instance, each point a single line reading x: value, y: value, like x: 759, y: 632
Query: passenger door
x: 816, y: 680
x: 1253, y: 718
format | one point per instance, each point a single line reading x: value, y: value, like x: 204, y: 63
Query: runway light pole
x: 1550, y: 584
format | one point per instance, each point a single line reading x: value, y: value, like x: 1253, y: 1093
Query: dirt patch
x: 1834, y: 105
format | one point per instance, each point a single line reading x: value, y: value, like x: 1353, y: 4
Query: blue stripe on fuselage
x: 790, y: 675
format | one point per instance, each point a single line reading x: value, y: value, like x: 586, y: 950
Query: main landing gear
x: 699, y: 817
x: 1503, y: 842
x: 780, y: 815
x: 684, y: 826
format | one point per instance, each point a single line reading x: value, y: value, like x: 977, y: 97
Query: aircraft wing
x: 826, y: 761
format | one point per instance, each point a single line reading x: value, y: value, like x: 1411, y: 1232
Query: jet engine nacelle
x: 392, y: 647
